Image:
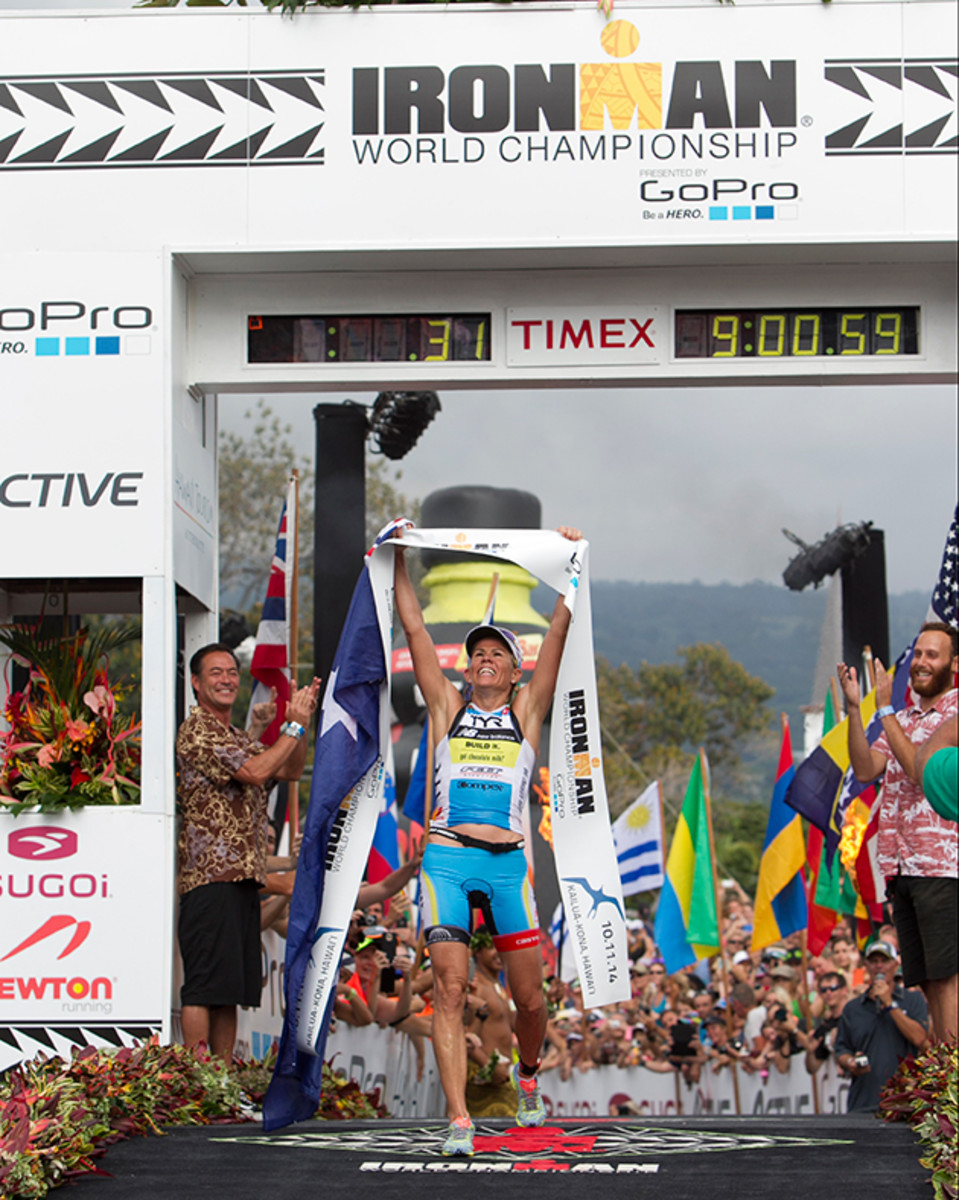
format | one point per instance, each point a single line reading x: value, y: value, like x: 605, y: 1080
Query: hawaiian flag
x: 270, y: 667
x: 347, y: 749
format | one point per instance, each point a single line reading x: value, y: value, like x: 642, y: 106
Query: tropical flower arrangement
x: 925, y: 1092
x: 68, y: 746
x: 58, y: 1118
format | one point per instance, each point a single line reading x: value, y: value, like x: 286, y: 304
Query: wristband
x: 892, y: 1007
x: 293, y: 729
x: 887, y: 710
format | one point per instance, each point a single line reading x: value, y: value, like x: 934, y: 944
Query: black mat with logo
x: 699, y: 1158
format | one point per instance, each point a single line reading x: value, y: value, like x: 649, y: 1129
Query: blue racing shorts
x: 455, y: 880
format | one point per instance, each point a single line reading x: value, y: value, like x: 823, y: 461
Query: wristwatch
x: 292, y: 729
x: 891, y: 1006
x: 887, y: 710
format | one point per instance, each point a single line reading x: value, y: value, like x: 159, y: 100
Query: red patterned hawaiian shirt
x: 913, y: 838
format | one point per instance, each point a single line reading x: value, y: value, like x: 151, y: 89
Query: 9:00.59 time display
x: 797, y: 333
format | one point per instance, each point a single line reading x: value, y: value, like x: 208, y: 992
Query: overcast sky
x: 680, y: 485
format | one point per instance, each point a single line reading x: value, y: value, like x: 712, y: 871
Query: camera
x: 860, y: 1060
x: 780, y: 1014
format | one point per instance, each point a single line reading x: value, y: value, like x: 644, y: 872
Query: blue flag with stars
x: 347, y: 746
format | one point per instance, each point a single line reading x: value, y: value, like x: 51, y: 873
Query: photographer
x: 787, y: 1040
x: 834, y: 993
x: 878, y: 1028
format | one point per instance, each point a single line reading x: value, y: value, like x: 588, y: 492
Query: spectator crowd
x: 760, y: 1012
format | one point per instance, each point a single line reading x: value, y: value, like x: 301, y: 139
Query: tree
x: 656, y: 717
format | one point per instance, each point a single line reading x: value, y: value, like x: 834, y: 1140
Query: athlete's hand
x: 570, y: 533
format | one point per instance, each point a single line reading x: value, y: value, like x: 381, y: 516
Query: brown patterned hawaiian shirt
x: 223, y: 823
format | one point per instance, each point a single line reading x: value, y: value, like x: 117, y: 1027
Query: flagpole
x: 804, y: 1004
x: 294, y: 794
x: 704, y: 771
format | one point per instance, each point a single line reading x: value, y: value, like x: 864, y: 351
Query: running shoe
x: 459, y: 1140
x: 532, y: 1110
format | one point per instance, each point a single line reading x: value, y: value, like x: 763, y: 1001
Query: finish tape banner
x: 583, y: 844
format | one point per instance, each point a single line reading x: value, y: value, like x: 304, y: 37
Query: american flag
x: 944, y: 605
x: 270, y: 666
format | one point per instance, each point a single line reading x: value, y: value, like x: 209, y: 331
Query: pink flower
x: 77, y: 730
x: 47, y: 755
x: 101, y: 701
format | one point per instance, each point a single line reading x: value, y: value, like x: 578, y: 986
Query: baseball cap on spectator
x: 714, y: 1018
x: 741, y: 957
x: 783, y: 972
x: 883, y: 948
x: 774, y: 953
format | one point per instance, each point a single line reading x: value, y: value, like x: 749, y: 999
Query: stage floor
x: 699, y: 1158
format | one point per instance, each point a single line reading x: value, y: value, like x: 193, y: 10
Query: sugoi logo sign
x: 571, y: 101
x: 50, y: 927
x: 40, y: 843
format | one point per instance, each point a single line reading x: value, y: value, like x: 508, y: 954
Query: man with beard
x: 917, y: 848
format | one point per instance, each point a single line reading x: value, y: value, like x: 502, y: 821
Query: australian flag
x: 347, y: 746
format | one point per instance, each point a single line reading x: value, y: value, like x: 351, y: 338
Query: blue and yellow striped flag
x: 687, y: 926
x: 780, y: 893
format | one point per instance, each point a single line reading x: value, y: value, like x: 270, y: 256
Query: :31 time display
x: 388, y: 338
x: 797, y: 333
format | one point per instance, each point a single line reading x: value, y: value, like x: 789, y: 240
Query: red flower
x: 77, y: 776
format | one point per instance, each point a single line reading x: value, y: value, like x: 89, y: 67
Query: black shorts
x: 219, y: 932
x: 925, y: 914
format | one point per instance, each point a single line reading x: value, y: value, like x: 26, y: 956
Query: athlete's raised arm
x: 441, y: 697
x: 533, y: 701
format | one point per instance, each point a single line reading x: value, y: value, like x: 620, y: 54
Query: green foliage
x: 655, y: 718
x: 659, y: 715
x: 68, y: 745
x: 57, y: 1118
x: 924, y: 1092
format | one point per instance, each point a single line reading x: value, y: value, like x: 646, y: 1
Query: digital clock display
x: 797, y: 333
x: 391, y: 338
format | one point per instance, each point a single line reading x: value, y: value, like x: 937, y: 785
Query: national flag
x: 414, y: 802
x: 822, y: 917
x: 640, y: 849
x: 780, y: 893
x: 385, y: 852
x: 270, y: 666
x: 347, y: 747
x: 687, y: 925
x: 560, y: 937
x: 823, y: 912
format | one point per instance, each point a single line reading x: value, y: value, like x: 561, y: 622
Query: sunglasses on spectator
x: 830, y: 987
